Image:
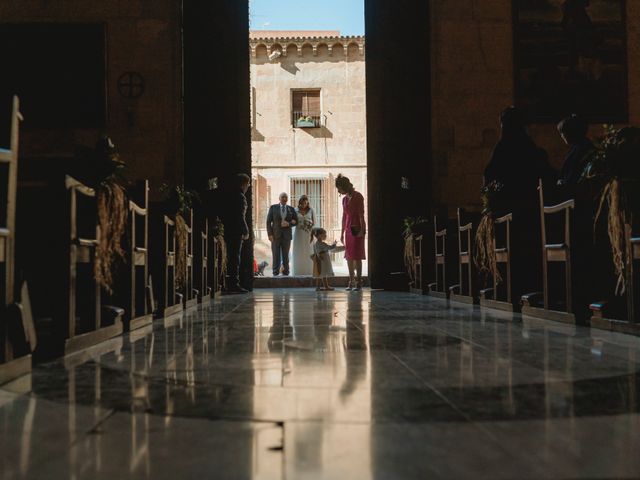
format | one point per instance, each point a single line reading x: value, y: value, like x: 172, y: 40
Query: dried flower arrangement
x: 112, y: 206
x: 411, y: 226
x: 178, y: 202
x: 616, y: 158
x: 485, y: 255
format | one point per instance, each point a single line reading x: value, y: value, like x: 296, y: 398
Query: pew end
x: 137, y: 289
x: 541, y: 305
x: 111, y: 326
x: 14, y: 361
x: 418, y: 272
x: 190, y: 298
x: 466, y: 290
x: 488, y: 301
x: 533, y: 306
x: 499, y: 296
x: 445, y: 260
x: 606, y: 317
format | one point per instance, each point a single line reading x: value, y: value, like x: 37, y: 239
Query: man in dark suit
x: 236, y: 230
x: 280, y: 220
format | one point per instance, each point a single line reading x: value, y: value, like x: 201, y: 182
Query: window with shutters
x: 306, y: 108
x: 315, y: 189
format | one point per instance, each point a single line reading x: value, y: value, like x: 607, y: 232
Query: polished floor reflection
x: 297, y: 384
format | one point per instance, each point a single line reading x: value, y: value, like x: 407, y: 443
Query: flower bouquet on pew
x: 485, y: 255
x: 178, y: 202
x: 412, y: 226
x: 221, y: 245
x: 616, y: 159
x: 113, y: 211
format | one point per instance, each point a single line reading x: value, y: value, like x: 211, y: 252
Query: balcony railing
x: 303, y: 120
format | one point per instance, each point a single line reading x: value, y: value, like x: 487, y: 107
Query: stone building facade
x: 308, y: 122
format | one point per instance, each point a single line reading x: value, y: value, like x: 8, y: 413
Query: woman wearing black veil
x: 517, y: 164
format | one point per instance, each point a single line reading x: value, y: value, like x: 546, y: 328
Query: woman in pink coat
x: 354, y: 229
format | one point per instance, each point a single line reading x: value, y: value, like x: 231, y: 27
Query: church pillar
x: 216, y: 97
x: 398, y: 127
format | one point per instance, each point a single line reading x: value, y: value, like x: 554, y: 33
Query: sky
x: 344, y: 15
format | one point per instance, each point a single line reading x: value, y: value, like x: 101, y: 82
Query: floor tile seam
x: 479, y: 345
x: 208, y: 418
x: 275, y: 421
x: 444, y: 398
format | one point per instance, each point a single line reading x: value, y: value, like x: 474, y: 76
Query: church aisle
x: 297, y: 384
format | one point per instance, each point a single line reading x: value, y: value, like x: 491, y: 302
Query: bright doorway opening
x: 308, y: 113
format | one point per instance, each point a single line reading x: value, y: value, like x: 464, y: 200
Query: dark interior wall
x: 398, y: 126
x: 139, y: 36
x: 474, y: 77
x: 216, y: 89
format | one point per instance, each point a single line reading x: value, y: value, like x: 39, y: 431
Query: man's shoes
x: 237, y: 289
x: 275, y: 274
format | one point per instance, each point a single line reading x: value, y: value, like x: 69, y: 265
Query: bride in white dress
x: 301, y: 263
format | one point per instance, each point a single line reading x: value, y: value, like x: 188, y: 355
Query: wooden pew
x: 540, y: 304
x: 11, y: 364
x: 601, y: 317
x: 171, y: 299
x: 204, y: 262
x: 438, y: 288
x: 417, y: 265
x: 86, y: 325
x: 465, y: 290
x: 217, y: 267
x: 140, y: 311
x: 190, y: 294
x: 500, y: 295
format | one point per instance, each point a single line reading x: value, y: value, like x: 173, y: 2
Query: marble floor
x: 302, y: 385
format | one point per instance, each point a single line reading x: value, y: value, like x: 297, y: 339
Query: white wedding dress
x: 301, y: 263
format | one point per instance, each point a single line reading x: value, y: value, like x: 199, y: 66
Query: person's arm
x: 313, y: 217
x: 344, y: 223
x: 294, y: 217
x: 322, y: 247
x: 270, y: 224
x: 363, y: 220
x: 243, y: 225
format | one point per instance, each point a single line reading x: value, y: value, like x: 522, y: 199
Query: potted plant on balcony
x: 306, y: 122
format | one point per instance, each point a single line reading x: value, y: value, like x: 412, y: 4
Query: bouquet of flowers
x: 306, y: 225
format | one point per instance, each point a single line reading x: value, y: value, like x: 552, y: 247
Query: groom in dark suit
x: 280, y: 220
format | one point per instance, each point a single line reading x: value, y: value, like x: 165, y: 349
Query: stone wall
x: 473, y: 80
x: 143, y: 37
x: 339, y: 74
